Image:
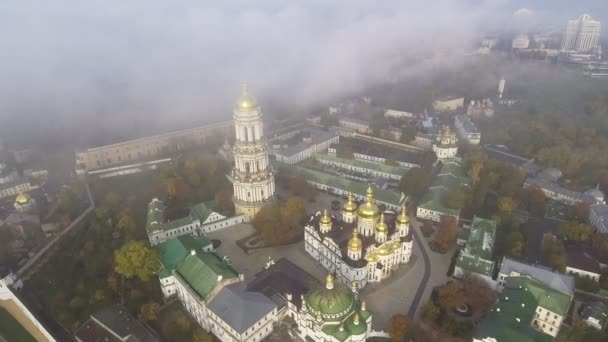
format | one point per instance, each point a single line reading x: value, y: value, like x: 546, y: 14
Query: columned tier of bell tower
x: 252, y: 175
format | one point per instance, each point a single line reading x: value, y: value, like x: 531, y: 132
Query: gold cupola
x: 369, y: 209
x: 354, y: 243
x: 350, y: 205
x: 246, y: 101
x: 402, y: 218
x: 325, y: 219
x: 329, y: 282
x: 356, y: 319
x: 381, y: 226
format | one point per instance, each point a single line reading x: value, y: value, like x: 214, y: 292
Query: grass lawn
x: 11, y: 330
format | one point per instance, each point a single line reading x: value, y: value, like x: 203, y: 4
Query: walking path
x: 23, y: 272
x: 427, y: 272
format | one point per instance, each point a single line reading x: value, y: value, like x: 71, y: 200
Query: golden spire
x: 353, y: 286
x: 246, y: 101
x: 325, y: 219
x: 356, y: 319
x: 363, y: 308
x: 370, y: 194
x: 329, y: 282
x: 402, y: 218
x: 354, y: 243
x: 341, y: 327
x: 381, y: 227
x: 350, y: 205
x: 319, y: 317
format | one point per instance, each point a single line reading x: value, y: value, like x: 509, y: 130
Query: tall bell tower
x: 252, y: 176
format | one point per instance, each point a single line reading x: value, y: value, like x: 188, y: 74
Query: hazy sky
x: 65, y: 63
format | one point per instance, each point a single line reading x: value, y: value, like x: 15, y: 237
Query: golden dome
x: 329, y: 281
x: 22, y: 198
x: 402, y: 218
x: 381, y: 227
x: 369, y: 209
x: 246, y: 101
x: 325, y: 219
x: 350, y: 206
x: 385, y: 250
x: 356, y: 319
x: 354, y: 243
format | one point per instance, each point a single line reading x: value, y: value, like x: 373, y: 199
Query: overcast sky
x: 65, y: 63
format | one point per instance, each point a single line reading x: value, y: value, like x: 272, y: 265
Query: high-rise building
x: 582, y: 34
x: 252, y: 176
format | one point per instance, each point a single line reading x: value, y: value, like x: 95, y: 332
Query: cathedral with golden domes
x: 362, y: 244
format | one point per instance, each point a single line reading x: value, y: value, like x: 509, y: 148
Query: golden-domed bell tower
x: 381, y: 230
x: 368, y: 214
x: 402, y: 223
x: 252, y: 176
x: 349, y: 210
x: 325, y: 222
x: 355, y: 246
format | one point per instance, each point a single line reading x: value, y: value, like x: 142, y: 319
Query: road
x: 422, y: 246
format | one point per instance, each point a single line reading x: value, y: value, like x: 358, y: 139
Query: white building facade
x: 582, y: 34
x: 252, y: 176
x: 446, y: 145
x: 362, y: 246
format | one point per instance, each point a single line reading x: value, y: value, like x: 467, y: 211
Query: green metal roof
x: 200, y: 271
x: 380, y: 167
x: 174, y: 251
x: 357, y: 188
x: 156, y: 219
x: 481, y: 238
x: 510, y: 320
x: 432, y: 200
x: 475, y: 264
x: 349, y: 327
x: 330, y: 301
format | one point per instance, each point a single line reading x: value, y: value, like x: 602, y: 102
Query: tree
x: 377, y: 123
x: 427, y: 229
x: 267, y: 222
x: 149, y: 311
x: 170, y: 184
x: 599, y: 247
x: 408, y: 134
x: 126, y: 224
x: 199, y: 335
x: 223, y: 201
x: 292, y: 212
x: 536, y: 201
x: 451, y: 295
x: 430, y: 311
x: 506, y: 205
x: 298, y: 186
x: 515, y: 245
x: 136, y: 259
x: 553, y: 253
x: 399, y: 327
x: 447, y: 232
x: 414, y: 181
x: 479, y: 295
x: 67, y: 200
x: 581, y: 332
x: 183, y: 323
x: 474, y: 171
x: 573, y: 231
x: 579, y: 212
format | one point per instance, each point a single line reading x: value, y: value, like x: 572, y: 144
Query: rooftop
x: 357, y: 188
x: 380, y: 167
x: 117, y: 320
x: 156, y: 220
x: 477, y: 254
x: 451, y: 176
x: 510, y: 320
x: 316, y: 135
x: 449, y: 98
x: 556, y: 281
x: 571, y: 195
x: 577, y: 258
x: 240, y: 308
x: 174, y: 251
x: 202, y: 272
x: 504, y: 154
x: 382, y: 150
x: 466, y: 123
x: 596, y: 310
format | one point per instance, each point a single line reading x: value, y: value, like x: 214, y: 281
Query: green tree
x: 599, y: 247
x: 292, y: 212
x: 149, y: 311
x: 579, y: 212
x: 136, y: 259
x: 430, y: 311
x: 536, y: 201
x: 553, y: 253
x: 451, y: 295
x: 126, y: 225
x: 581, y: 332
x: 414, y: 181
x: 408, y: 134
x: 515, y: 245
x: 68, y: 200
x: 200, y: 335
x: 474, y: 171
x: 223, y: 201
x: 399, y: 327
x: 574, y: 231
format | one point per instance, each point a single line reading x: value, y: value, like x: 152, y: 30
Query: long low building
x: 369, y: 168
x: 313, y: 141
x: 147, y: 148
x: 341, y: 186
x: 559, y: 193
x: 466, y: 129
x: 375, y: 150
x: 598, y: 217
x: 476, y: 256
x: 199, y: 220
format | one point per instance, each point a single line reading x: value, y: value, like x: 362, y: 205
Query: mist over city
x: 304, y: 171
